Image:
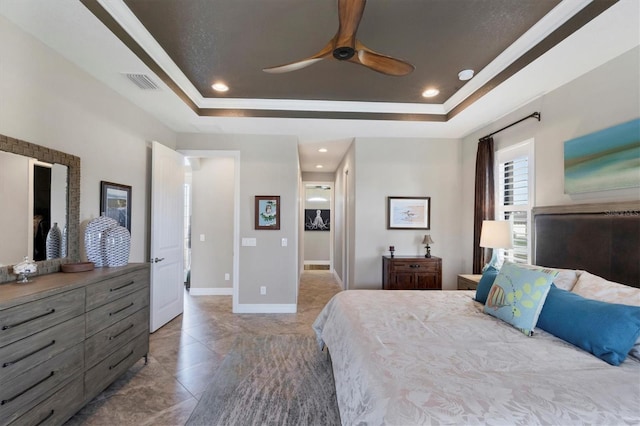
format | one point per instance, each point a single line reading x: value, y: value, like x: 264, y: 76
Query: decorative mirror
x: 41, y: 187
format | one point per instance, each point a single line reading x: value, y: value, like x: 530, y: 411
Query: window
x: 514, y: 198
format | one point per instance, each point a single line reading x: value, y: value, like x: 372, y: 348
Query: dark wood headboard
x: 603, y: 239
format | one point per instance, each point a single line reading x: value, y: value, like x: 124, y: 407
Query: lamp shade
x: 496, y: 234
x: 427, y: 239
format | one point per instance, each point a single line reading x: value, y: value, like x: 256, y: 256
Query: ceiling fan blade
x: 349, y: 13
x: 381, y: 63
x: 303, y: 63
x: 293, y: 66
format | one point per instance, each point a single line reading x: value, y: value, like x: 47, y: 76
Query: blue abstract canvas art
x: 606, y: 159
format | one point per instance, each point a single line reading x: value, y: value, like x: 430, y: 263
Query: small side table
x: 468, y: 282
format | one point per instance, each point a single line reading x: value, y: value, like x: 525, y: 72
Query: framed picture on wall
x: 317, y: 219
x: 115, y: 202
x: 267, y: 212
x: 409, y: 213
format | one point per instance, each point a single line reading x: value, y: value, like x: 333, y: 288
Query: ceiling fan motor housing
x: 343, y: 53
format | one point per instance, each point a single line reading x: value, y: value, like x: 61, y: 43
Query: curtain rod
x: 534, y: 115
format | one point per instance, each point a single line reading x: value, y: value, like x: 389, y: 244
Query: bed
x: 436, y: 357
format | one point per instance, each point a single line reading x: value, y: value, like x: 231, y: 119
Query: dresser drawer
x: 24, y: 354
x: 115, y: 288
x: 108, y: 340
x: 20, y: 394
x: 56, y: 409
x: 29, y: 318
x: 415, y: 266
x: 111, y: 313
x: 99, y: 377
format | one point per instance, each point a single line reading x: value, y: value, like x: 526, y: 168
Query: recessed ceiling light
x: 220, y: 87
x: 465, y: 75
x: 322, y: 150
x: 319, y: 166
x: 430, y: 93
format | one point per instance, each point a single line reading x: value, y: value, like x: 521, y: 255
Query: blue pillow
x: 607, y: 330
x: 518, y: 293
x: 484, y: 285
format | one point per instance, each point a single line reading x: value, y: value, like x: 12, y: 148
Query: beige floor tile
x: 184, y: 356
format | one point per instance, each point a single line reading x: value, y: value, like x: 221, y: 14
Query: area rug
x: 270, y: 380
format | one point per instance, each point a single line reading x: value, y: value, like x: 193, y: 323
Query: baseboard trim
x: 198, y: 291
x: 250, y: 308
x: 317, y: 262
x: 337, y: 278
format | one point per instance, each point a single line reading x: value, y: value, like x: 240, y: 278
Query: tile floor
x: 185, y: 353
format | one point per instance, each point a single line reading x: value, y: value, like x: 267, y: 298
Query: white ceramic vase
x: 116, y: 244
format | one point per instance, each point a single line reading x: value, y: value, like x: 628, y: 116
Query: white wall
x: 602, y: 98
x: 268, y: 166
x: 46, y: 100
x: 212, y: 195
x: 406, y: 168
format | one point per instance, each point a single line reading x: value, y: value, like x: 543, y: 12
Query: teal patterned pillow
x: 518, y: 294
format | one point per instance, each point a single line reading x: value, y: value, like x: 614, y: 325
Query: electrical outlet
x: 263, y: 290
x: 227, y: 277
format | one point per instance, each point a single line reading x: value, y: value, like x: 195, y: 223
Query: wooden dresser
x: 65, y: 337
x: 411, y: 273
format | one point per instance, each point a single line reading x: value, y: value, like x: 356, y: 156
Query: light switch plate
x: 249, y: 242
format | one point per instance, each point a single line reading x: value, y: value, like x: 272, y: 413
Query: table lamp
x: 496, y: 234
x: 426, y: 241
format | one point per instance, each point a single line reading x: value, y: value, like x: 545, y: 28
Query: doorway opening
x: 318, y: 226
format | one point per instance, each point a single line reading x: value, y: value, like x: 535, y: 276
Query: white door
x: 167, y: 235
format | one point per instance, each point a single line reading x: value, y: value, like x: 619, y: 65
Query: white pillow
x: 566, y: 278
x: 595, y: 287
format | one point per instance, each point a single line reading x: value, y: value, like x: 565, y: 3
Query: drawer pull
x: 111, y: 367
x: 120, y: 310
x: 6, y: 327
x: 415, y: 265
x: 123, y: 331
x: 46, y: 418
x: 6, y: 401
x: 122, y: 286
x: 7, y: 364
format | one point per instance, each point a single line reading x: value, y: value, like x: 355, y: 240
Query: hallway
x: 185, y: 353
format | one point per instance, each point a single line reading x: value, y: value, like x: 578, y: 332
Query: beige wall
x: 344, y: 217
x: 46, y: 100
x: 268, y: 166
x: 212, y: 194
x: 604, y: 97
x: 406, y: 168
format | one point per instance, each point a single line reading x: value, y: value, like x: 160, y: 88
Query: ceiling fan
x: 345, y: 47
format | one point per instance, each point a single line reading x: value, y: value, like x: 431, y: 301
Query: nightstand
x: 411, y: 273
x: 468, y: 282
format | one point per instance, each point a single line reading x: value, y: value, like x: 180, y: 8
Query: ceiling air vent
x: 143, y: 81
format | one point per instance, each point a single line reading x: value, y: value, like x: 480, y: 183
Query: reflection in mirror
x: 36, y: 195
x: 14, y: 214
x: 41, y: 183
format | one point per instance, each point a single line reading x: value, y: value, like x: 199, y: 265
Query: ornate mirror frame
x: 16, y: 146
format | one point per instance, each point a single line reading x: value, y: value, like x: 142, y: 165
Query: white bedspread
x: 432, y: 357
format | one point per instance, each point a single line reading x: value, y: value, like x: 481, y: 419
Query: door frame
x: 235, y: 155
x: 331, y: 185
